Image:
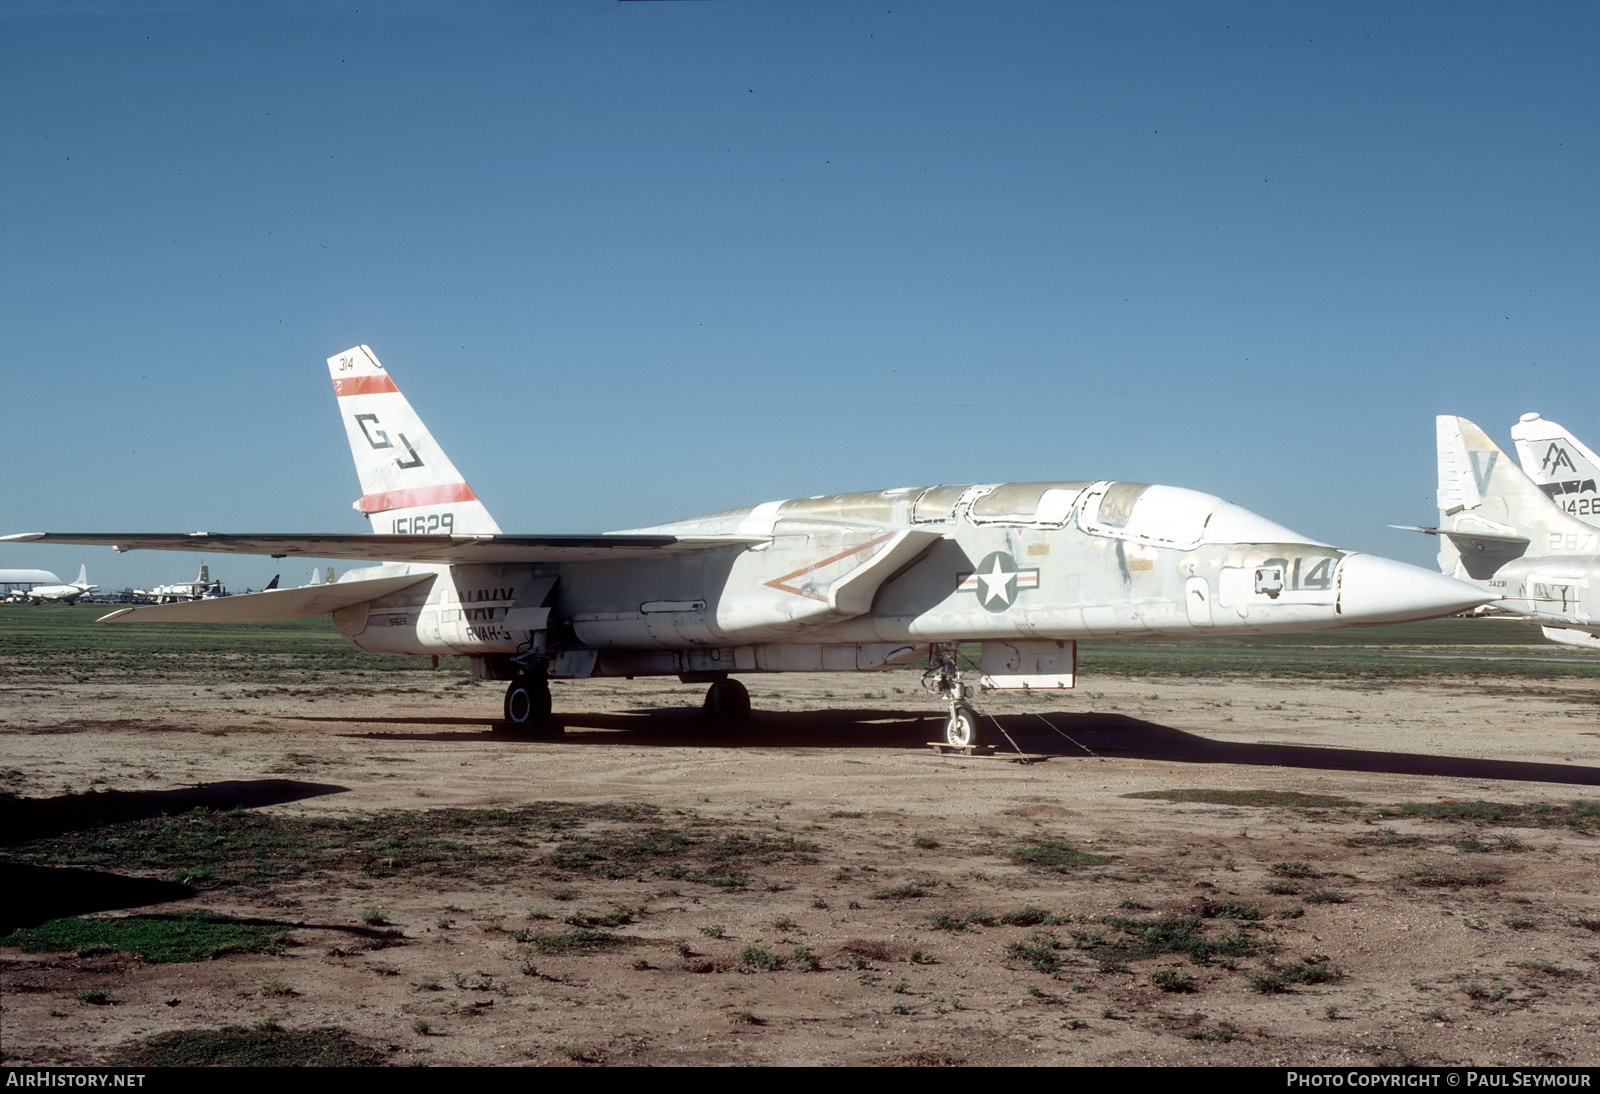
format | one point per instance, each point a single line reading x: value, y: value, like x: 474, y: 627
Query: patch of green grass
x: 1386, y: 838
x: 1362, y: 655
x: 1326, y: 896
x: 1429, y: 877
x: 753, y: 958
x: 1578, y: 814
x: 1231, y: 909
x: 1499, y: 992
x: 1053, y: 855
x: 619, y: 916
x: 911, y: 890
x: 1134, y: 939
x: 579, y: 940
x: 1041, y: 952
x: 1170, y: 980
x: 1296, y: 870
x: 1273, y: 979
x: 218, y: 850
x: 947, y: 920
x: 154, y: 938
x: 236, y: 1046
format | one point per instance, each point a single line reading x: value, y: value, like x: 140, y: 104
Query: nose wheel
x: 963, y: 728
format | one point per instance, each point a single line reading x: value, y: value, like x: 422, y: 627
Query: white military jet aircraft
x: 62, y: 594
x: 1561, y: 464
x: 842, y: 582
x: 1514, y: 539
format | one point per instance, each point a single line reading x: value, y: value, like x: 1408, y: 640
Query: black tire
x: 527, y: 706
x: 963, y: 728
x: 727, y: 704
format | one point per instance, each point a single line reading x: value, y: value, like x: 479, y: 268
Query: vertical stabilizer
x: 408, y: 485
x: 1482, y: 489
x: 1489, y: 511
x: 1561, y: 465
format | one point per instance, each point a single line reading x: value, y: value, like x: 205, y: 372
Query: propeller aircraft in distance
x: 62, y: 594
x: 840, y: 582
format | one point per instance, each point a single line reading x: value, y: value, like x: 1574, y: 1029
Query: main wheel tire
x: 727, y: 704
x: 527, y: 705
x: 962, y: 729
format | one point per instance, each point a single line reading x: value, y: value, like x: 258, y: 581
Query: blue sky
x: 638, y: 261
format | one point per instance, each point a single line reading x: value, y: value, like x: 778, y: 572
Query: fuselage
x: 62, y: 594
x: 864, y: 580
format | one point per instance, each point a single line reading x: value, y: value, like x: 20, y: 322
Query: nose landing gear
x: 963, y: 728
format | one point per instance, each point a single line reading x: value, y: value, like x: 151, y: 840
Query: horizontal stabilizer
x: 378, y: 548
x: 271, y: 606
x: 1463, y: 535
x: 1588, y: 639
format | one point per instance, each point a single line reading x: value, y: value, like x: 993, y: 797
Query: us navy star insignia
x: 998, y: 580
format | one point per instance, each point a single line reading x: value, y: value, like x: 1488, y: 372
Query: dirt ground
x: 1443, y: 941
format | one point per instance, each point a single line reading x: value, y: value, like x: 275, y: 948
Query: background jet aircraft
x: 1561, y: 464
x: 841, y: 582
x: 1504, y: 533
x: 63, y: 594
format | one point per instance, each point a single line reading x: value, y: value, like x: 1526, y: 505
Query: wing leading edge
x: 390, y: 548
x: 271, y: 606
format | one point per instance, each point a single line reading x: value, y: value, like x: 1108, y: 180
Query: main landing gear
x: 727, y: 704
x: 962, y: 726
x: 528, y: 702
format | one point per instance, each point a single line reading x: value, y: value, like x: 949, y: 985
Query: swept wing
x: 271, y: 606
x: 391, y: 548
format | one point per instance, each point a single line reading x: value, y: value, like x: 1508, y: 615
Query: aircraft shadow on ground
x: 1149, y: 741
x: 1050, y: 735
x: 37, y: 893
x: 23, y: 819
x: 684, y: 728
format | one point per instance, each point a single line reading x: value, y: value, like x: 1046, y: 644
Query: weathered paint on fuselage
x: 884, y: 572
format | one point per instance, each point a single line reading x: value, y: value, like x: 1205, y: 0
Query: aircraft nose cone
x: 1381, y: 590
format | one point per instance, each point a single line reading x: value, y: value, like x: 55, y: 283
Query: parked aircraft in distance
x: 1561, y: 464
x: 10, y: 578
x: 62, y: 594
x: 840, y: 582
x: 1509, y: 536
x: 200, y: 588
